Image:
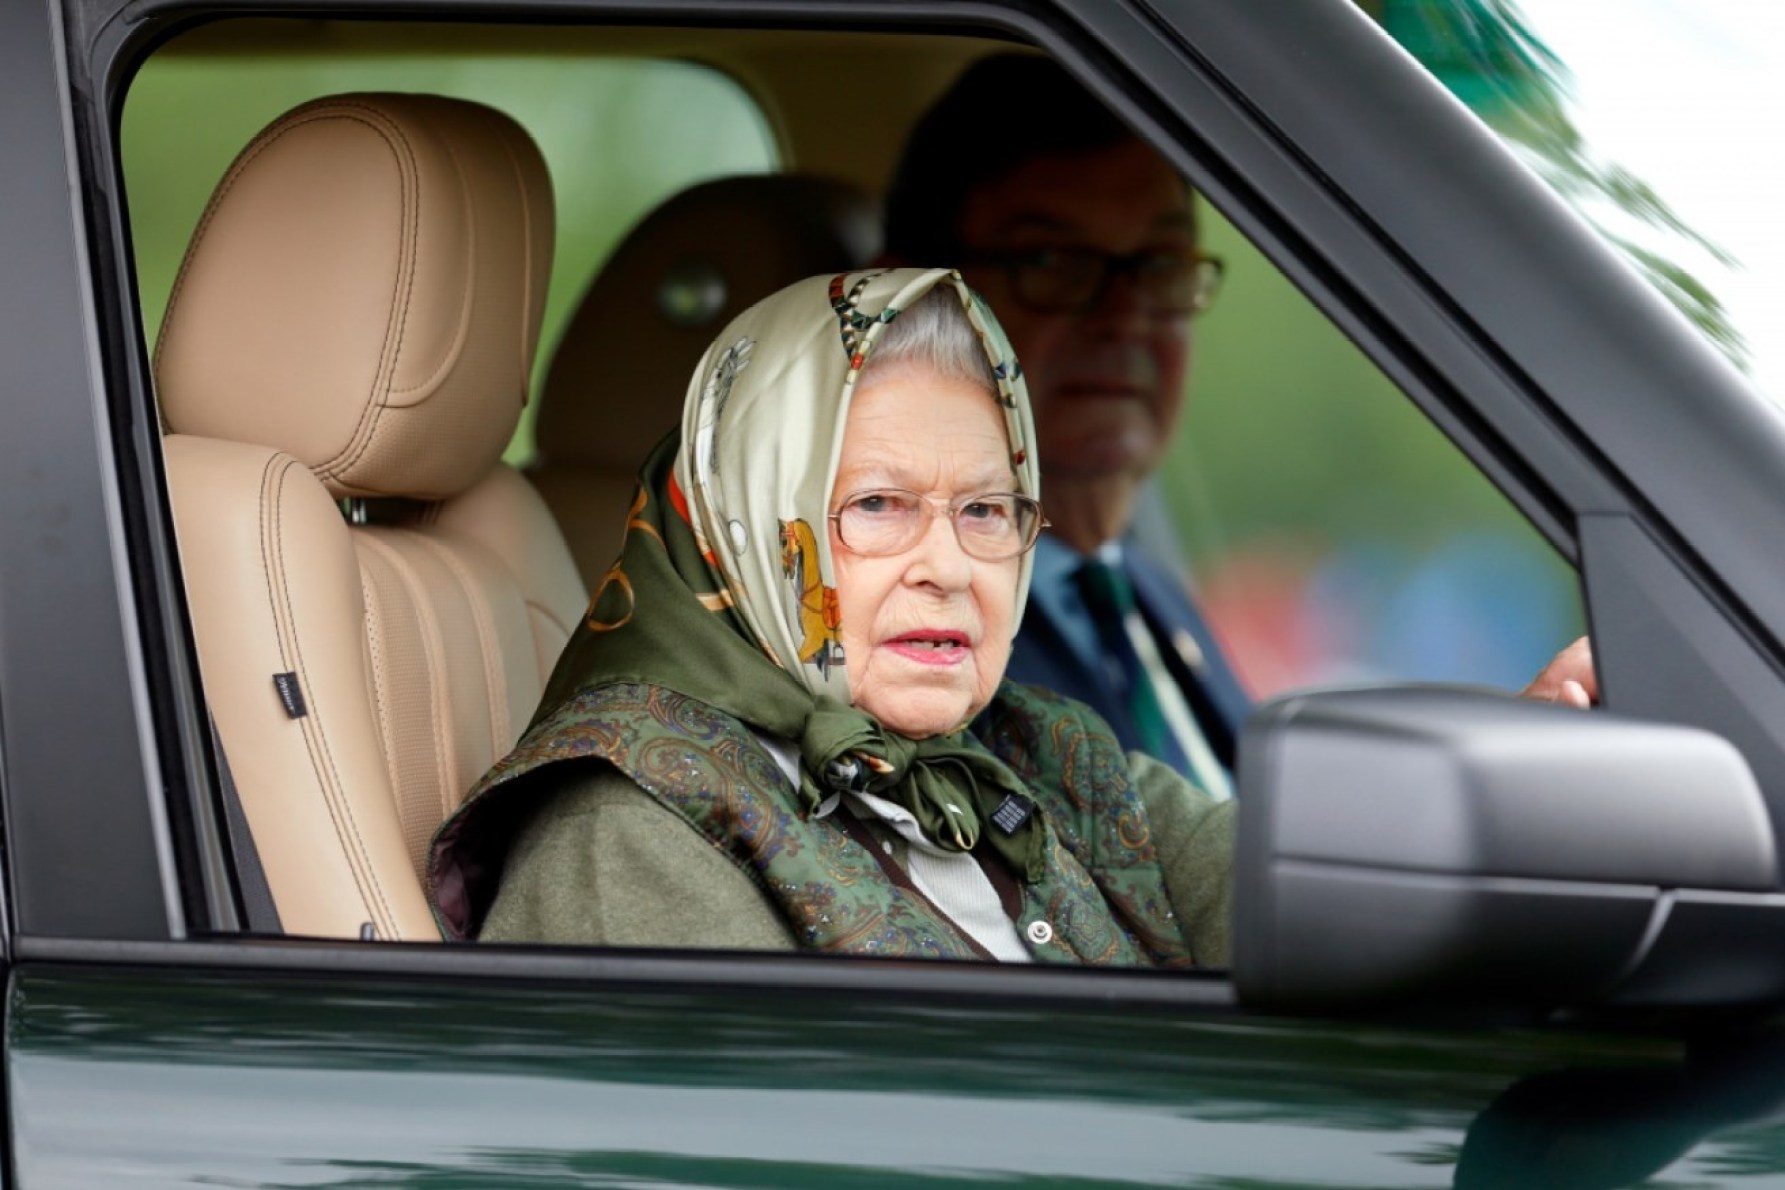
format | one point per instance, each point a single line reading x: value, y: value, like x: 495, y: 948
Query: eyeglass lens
x: 990, y: 527
x: 1068, y: 279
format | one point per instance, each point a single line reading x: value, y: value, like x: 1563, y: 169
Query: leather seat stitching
x: 433, y: 655
x: 527, y: 311
x: 450, y: 358
x: 376, y: 654
x: 291, y: 653
x: 409, y: 219
x: 495, y: 669
x: 204, y: 224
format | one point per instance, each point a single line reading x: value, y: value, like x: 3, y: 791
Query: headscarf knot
x: 949, y: 783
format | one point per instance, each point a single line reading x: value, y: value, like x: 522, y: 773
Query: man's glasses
x: 1072, y: 280
x: 991, y: 526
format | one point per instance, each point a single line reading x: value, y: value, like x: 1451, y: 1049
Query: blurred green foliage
x: 1292, y: 434
x: 1487, y: 54
x: 1321, y: 513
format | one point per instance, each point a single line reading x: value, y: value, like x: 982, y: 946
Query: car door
x: 148, y: 1042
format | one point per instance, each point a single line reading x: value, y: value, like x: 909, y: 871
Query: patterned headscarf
x: 762, y: 429
x: 725, y: 588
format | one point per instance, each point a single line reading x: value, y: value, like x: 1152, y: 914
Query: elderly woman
x: 783, y: 723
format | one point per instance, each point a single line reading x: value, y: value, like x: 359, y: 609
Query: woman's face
x: 926, y: 633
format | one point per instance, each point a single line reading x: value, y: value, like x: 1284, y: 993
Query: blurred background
x: 1332, y: 533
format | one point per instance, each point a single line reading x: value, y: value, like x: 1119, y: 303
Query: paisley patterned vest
x: 1101, y: 899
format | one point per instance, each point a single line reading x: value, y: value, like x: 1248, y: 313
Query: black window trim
x: 460, y: 964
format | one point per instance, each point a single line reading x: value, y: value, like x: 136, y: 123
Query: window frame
x: 1234, y: 152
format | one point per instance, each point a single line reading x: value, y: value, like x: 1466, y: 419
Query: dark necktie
x: 1109, y: 597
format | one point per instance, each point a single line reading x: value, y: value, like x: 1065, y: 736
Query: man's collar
x: 1056, y: 561
x: 1054, y: 580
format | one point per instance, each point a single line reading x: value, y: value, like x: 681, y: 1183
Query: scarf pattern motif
x: 1050, y: 742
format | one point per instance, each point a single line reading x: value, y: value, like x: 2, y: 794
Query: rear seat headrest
x: 617, y: 377
x: 364, y: 292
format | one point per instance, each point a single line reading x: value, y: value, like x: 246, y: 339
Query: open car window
x: 1328, y: 529
x: 1331, y: 532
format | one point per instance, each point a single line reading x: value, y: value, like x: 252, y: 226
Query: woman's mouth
x: 931, y: 646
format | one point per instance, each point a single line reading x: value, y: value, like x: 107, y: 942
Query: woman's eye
x: 986, y: 510
x: 877, y: 504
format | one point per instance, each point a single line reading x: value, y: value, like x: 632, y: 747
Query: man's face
x: 1106, y: 382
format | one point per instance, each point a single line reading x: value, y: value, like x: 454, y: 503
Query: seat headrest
x: 619, y: 373
x: 364, y: 292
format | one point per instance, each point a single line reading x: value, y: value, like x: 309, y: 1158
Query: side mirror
x: 1443, y: 845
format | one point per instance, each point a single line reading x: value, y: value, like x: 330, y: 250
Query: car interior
x: 686, y: 270
x: 407, y: 639
x: 395, y: 486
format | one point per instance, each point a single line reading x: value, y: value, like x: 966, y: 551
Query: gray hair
x: 932, y: 333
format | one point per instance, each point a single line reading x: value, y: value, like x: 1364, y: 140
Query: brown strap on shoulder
x: 1004, y: 881
x: 858, y: 831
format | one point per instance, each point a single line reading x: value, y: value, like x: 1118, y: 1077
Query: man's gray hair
x: 933, y: 334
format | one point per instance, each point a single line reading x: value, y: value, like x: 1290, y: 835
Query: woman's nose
x: 938, y: 558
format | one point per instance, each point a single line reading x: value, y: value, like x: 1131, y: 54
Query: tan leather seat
x: 349, y: 340
x: 619, y: 373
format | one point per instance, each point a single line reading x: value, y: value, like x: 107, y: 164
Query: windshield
x: 1661, y: 121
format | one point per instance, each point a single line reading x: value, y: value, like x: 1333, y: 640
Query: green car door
x: 140, y: 1076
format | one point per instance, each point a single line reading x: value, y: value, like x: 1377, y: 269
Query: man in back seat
x: 1084, y: 240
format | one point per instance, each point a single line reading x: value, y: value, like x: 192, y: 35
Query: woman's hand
x: 1567, y: 679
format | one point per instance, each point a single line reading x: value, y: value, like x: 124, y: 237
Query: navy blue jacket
x: 1045, y: 655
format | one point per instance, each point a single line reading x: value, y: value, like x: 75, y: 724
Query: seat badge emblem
x: 291, y: 694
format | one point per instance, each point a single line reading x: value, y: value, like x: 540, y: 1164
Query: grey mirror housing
x: 1434, y: 844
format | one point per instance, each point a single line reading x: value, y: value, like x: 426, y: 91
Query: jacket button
x: 1040, y: 933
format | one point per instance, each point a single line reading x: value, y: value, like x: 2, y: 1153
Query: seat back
x: 620, y: 372
x: 376, y: 600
